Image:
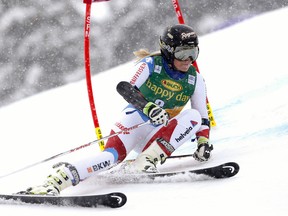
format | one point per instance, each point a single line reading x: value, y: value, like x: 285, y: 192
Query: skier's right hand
x: 156, y: 114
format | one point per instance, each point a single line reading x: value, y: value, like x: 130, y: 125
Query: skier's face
x: 182, y: 65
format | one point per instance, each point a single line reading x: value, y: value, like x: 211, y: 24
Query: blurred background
x: 41, y: 42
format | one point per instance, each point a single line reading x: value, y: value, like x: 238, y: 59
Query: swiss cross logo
x: 89, y: 169
x: 194, y: 123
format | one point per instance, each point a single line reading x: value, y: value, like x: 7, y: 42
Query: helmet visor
x: 184, y: 52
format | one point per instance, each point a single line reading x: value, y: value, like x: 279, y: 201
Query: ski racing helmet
x: 180, y: 42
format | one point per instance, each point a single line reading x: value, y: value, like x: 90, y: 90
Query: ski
x: 112, y: 200
x: 225, y: 170
x: 131, y: 95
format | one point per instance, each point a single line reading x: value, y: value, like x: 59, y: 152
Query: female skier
x: 163, y: 83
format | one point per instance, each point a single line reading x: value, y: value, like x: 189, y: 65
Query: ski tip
x: 119, y: 199
x: 231, y: 169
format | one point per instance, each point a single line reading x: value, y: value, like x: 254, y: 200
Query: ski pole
x: 177, y: 9
x: 126, y: 130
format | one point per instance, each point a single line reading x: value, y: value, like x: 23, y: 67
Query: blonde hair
x: 142, y: 53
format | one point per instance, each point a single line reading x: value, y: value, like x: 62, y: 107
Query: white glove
x: 204, y: 149
x: 156, y: 114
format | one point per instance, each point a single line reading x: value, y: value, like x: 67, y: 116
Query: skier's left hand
x: 204, y: 149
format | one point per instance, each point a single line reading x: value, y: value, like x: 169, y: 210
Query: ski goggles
x: 184, y: 52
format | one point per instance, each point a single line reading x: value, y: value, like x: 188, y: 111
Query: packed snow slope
x: 246, y: 71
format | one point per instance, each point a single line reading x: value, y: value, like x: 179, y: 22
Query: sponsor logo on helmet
x: 166, y: 46
x: 170, y: 36
x: 187, y: 35
x: 171, y: 85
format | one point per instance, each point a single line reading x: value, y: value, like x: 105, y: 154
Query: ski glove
x: 156, y: 114
x: 204, y: 149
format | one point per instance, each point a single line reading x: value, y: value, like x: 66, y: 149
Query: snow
x: 246, y: 74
